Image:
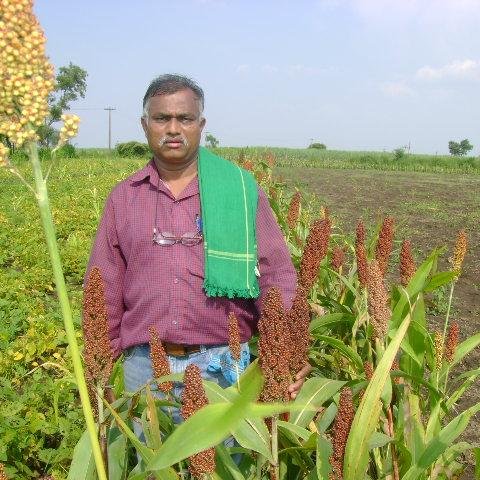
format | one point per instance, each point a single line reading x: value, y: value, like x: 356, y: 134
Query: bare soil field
x: 429, y: 209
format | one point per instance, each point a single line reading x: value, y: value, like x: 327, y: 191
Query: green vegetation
x: 293, y: 157
x: 132, y: 149
x: 459, y: 148
x: 318, y: 146
x: 71, y: 84
x: 211, y: 141
x: 41, y: 397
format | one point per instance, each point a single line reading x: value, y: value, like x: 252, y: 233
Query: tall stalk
x: 275, y: 468
x: 41, y: 194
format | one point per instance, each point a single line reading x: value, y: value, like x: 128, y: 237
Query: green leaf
x: 143, y: 451
x: 415, y: 286
x: 314, y: 393
x: 329, y: 320
x: 440, y: 443
x: 476, y: 452
x: 368, y: 413
x: 226, y: 468
x: 251, y: 433
x: 300, y: 432
x: 207, y: 427
x: 83, y: 463
x: 117, y: 454
x: 324, y: 451
x: 152, y: 418
x: 465, y: 348
x: 439, y: 279
x: 379, y: 439
x: 343, y: 348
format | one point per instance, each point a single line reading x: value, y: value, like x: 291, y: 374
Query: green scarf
x: 229, y: 198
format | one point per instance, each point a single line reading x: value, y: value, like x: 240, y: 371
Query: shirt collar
x: 150, y: 172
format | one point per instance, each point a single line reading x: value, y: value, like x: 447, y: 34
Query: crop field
x: 428, y: 208
x: 430, y: 200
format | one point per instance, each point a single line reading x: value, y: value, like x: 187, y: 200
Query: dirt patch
x: 429, y: 209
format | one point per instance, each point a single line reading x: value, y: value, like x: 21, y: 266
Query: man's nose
x: 173, y: 126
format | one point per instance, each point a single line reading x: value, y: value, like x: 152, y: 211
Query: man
x: 186, y: 198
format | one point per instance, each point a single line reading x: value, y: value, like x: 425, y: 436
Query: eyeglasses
x: 166, y: 239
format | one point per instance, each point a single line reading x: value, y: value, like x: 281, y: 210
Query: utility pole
x: 110, y: 109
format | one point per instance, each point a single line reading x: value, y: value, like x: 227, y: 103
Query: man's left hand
x: 294, y: 388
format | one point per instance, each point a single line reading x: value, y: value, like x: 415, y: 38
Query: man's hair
x: 168, y: 84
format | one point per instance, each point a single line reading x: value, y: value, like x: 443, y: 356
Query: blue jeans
x: 214, y: 363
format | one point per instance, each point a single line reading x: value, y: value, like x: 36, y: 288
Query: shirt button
x: 175, y: 280
x: 175, y: 322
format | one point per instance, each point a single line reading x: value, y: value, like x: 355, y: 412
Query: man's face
x: 173, y: 127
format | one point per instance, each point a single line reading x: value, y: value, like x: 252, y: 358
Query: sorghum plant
x: 160, y: 364
x: 193, y: 399
x: 26, y: 81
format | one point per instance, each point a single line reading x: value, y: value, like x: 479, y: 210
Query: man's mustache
x: 166, y: 139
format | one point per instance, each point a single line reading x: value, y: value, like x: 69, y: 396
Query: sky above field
x: 353, y: 74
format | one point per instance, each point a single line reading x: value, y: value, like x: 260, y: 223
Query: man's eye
x: 186, y: 120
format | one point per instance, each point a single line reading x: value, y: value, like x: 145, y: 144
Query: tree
x: 459, y: 148
x: 70, y: 85
x: 211, y: 141
x: 318, y: 146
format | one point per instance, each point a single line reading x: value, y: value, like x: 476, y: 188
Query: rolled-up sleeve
x: 275, y: 263
x: 107, y: 256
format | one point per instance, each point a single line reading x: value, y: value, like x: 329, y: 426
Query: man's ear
x: 144, y: 125
x: 203, y: 121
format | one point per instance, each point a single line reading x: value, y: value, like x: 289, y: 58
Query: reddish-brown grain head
x: 316, y: 247
x: 234, y: 336
x: 274, y: 348
x: 97, y: 352
x: 361, y: 254
x: 160, y: 364
x: 384, y: 245
x: 407, y: 263
x: 378, y: 306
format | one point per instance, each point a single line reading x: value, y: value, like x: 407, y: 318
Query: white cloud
x: 243, y: 68
x: 397, y: 89
x: 467, y: 69
x: 269, y: 68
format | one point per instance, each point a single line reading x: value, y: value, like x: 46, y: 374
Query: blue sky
x: 353, y: 74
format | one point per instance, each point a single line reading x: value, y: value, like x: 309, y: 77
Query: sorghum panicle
x: 26, y: 75
x: 361, y: 254
x: 298, y: 319
x: 248, y: 165
x: 160, y: 364
x: 452, y: 342
x: 368, y: 368
x: 459, y: 251
x: 234, y: 336
x: 97, y: 352
x: 274, y: 348
x: 193, y: 399
x: 3, y: 475
x: 338, y: 257
x: 384, y: 245
x: 341, y: 430
x: 438, y: 347
x: 396, y: 366
x: 407, y: 263
x: 270, y: 159
x: 316, y: 247
x: 377, y: 301
x: 293, y: 211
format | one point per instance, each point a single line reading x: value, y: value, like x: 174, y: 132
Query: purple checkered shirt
x: 149, y: 284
